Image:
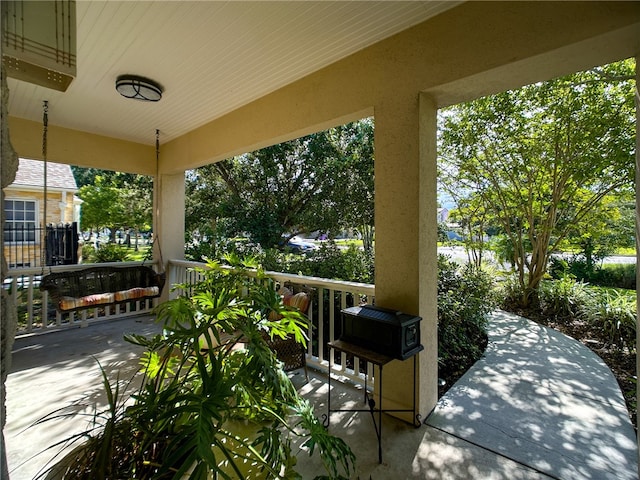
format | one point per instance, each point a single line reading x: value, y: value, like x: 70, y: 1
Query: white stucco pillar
x: 428, y: 256
x: 406, y: 232
x: 168, y: 221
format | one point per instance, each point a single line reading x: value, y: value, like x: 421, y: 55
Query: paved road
x: 460, y: 255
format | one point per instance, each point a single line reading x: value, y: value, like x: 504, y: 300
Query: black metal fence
x: 23, y: 246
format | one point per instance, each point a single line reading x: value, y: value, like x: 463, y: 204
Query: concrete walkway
x: 537, y: 406
x: 544, y: 401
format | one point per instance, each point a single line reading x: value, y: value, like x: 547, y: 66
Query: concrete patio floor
x: 538, y: 405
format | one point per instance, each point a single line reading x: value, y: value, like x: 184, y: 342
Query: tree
x: 100, y: 206
x: 115, y: 200
x: 205, y: 225
x: 472, y: 216
x: 87, y: 176
x: 321, y: 182
x: 282, y: 189
x: 609, y: 226
x: 138, y: 214
x: 354, y: 141
x: 542, y: 158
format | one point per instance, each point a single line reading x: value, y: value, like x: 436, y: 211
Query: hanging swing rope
x: 45, y: 125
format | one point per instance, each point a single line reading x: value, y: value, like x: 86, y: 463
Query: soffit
x: 210, y: 57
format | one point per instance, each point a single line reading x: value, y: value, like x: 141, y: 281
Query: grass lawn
x: 345, y: 242
x: 140, y: 255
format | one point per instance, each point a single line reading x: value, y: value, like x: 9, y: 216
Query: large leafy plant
x: 214, y: 401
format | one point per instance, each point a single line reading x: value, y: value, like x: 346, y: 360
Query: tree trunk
x: 537, y: 264
x: 366, y: 232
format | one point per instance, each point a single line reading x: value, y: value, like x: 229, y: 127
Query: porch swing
x: 100, y: 286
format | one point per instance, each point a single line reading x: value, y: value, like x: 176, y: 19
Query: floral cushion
x: 135, y: 293
x: 71, y: 303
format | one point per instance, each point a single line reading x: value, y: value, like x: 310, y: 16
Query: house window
x: 20, y: 221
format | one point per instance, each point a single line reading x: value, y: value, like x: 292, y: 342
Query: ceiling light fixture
x: 138, y: 88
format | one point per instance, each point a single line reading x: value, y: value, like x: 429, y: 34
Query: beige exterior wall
x: 475, y: 49
x: 82, y: 149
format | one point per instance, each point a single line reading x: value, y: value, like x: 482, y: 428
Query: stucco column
x: 405, y: 219
x: 428, y: 258
x: 168, y: 221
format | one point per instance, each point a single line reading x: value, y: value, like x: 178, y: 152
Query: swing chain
x: 155, y: 236
x: 45, y: 123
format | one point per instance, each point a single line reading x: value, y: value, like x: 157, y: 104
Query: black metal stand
x: 369, y: 356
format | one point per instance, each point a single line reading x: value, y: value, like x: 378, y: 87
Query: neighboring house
x: 24, y: 209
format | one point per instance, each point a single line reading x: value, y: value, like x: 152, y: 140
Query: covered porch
x: 460, y: 52
x: 464, y: 51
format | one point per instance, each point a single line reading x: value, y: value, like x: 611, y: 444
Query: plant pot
x: 247, y: 431
x: 243, y: 429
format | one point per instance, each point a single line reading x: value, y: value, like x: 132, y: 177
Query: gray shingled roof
x: 31, y: 173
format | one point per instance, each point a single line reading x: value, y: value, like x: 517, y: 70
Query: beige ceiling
x: 210, y: 57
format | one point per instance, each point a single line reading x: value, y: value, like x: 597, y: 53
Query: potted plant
x: 207, y: 380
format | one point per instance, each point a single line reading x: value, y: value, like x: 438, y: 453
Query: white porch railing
x: 324, y: 314
x: 36, y: 314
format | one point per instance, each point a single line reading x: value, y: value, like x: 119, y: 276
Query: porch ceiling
x: 211, y: 58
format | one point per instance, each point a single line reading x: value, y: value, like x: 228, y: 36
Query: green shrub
x: 465, y: 297
x: 111, y: 252
x: 510, y: 294
x: 562, y: 299
x: 503, y: 250
x: 216, y: 247
x: 88, y: 253
x: 351, y: 264
x: 606, y: 275
x: 614, y: 312
x: 620, y: 275
x: 558, y: 267
x: 273, y: 259
x: 329, y: 261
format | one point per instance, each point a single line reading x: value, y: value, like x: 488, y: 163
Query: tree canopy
x: 318, y: 183
x: 114, y: 200
x: 538, y: 161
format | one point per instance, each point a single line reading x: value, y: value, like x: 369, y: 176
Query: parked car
x: 300, y: 245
